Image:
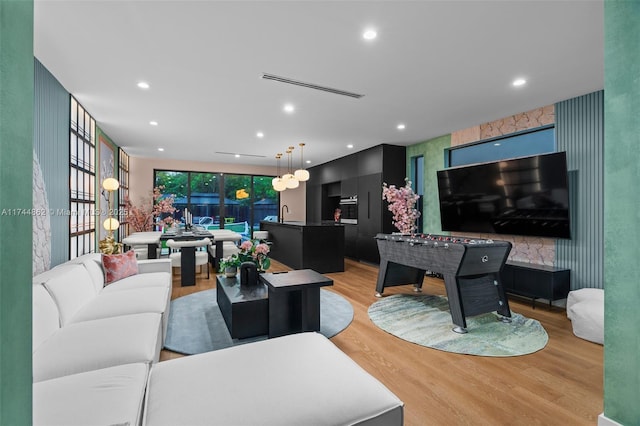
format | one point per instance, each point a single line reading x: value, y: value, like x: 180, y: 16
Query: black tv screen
x: 521, y: 196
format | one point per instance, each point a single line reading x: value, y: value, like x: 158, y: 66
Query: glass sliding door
x: 237, y: 203
x: 176, y: 184
x: 217, y: 200
x: 204, y: 199
x: 265, y: 201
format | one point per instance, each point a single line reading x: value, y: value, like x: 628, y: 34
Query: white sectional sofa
x: 93, y: 345
x: 96, y: 347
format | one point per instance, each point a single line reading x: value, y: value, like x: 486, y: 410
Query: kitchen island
x: 303, y: 245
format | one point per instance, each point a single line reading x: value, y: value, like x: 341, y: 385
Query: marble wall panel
x: 525, y: 249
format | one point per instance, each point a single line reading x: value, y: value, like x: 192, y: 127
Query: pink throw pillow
x: 119, y: 266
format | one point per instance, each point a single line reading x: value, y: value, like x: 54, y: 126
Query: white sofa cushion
x: 93, y: 263
x: 102, y: 343
x: 109, y: 396
x: 71, y: 287
x: 135, y: 301
x: 151, y: 279
x: 46, y: 320
x: 116, y: 303
x: 300, y: 379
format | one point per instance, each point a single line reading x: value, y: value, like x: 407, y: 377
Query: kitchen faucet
x: 282, y: 212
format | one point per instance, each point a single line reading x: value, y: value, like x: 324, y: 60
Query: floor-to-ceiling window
x: 217, y: 200
x: 417, y: 180
x: 123, y: 192
x: 82, y: 176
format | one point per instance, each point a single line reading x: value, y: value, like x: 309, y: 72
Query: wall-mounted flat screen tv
x: 520, y: 196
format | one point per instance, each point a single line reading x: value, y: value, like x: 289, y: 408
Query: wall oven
x: 349, y: 208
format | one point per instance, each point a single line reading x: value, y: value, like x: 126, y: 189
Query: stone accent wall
x: 525, y: 249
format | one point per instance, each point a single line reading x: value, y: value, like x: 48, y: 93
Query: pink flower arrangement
x: 250, y: 251
x: 402, y: 203
x: 143, y: 218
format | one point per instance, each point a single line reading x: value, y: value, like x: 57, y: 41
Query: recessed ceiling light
x: 308, y: 161
x: 237, y: 155
x: 289, y: 108
x: 143, y: 85
x: 161, y: 149
x: 401, y: 126
x: 496, y: 144
x: 369, y: 34
x: 519, y: 82
x: 153, y: 123
x: 260, y: 135
x: 350, y: 146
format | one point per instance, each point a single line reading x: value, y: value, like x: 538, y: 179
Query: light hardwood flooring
x: 559, y: 385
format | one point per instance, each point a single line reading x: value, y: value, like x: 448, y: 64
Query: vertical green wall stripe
x: 432, y: 150
x: 621, y: 217
x: 580, y: 132
x: 16, y: 176
x: 51, y: 145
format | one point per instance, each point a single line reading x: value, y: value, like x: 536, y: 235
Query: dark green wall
x: 432, y: 150
x: 621, y: 218
x: 16, y: 177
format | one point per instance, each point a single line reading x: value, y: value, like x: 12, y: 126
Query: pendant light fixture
x: 291, y: 181
x: 277, y: 182
x: 301, y: 174
x: 287, y: 176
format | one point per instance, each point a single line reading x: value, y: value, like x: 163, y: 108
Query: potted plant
x: 229, y: 265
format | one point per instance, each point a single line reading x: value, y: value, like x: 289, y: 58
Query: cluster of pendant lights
x: 290, y: 180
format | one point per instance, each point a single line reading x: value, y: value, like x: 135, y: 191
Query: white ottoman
x: 301, y: 379
x: 585, y: 309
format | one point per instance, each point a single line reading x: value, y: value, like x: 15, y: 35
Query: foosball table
x: 470, y: 268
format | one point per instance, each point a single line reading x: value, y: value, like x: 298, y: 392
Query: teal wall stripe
x: 16, y: 177
x: 51, y: 145
x: 622, y: 224
x: 580, y: 132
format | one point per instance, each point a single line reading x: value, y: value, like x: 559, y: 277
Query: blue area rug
x: 426, y: 321
x: 196, y: 324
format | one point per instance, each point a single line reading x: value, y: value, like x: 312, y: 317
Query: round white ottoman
x: 585, y: 309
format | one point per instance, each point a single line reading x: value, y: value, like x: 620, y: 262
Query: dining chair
x: 201, y: 257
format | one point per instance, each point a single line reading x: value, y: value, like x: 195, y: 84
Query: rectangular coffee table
x: 294, y: 301
x: 244, y: 309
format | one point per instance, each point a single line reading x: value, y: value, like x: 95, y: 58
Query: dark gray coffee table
x: 294, y: 301
x: 244, y: 309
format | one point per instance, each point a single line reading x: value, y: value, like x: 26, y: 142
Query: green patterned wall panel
x: 433, y: 152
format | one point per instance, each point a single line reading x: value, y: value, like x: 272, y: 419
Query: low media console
x: 470, y: 267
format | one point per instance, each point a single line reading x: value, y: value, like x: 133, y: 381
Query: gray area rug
x: 196, y: 324
x: 426, y: 321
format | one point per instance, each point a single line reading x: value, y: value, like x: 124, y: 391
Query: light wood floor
x: 559, y: 385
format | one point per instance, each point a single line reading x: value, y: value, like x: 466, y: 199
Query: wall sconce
x: 109, y: 245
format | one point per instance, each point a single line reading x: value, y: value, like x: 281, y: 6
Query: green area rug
x: 425, y: 320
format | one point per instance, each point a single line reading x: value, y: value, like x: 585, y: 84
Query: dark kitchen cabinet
x: 360, y: 174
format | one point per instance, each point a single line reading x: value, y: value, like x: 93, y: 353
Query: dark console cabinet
x: 536, y: 281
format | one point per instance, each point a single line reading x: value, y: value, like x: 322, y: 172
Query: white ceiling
x: 436, y: 66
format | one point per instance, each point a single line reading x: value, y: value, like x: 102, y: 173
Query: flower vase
x: 230, y: 271
x: 248, y: 274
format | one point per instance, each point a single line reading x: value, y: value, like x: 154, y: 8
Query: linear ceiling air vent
x: 241, y: 155
x: 310, y: 85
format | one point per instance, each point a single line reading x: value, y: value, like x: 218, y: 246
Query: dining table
x: 149, y: 238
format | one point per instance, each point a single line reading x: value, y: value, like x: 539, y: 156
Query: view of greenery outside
x: 246, y: 201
